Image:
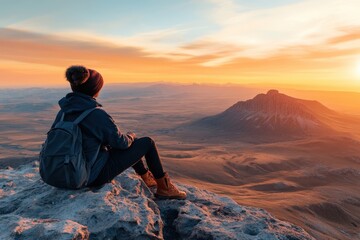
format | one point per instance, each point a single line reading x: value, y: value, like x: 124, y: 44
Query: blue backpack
x: 62, y: 160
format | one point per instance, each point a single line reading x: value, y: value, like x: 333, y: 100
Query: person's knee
x: 150, y: 140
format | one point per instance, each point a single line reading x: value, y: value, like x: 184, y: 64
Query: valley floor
x: 313, y: 182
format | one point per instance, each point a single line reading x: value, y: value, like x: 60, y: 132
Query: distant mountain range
x: 274, y: 114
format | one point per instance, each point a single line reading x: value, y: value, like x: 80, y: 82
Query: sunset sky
x: 310, y: 44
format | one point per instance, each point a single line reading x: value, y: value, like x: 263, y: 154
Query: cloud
x: 161, y: 43
x: 349, y: 34
x: 237, y: 32
x: 30, y: 58
x: 294, y: 43
x: 263, y: 33
x: 32, y: 47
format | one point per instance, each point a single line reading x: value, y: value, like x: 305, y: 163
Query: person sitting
x: 109, y: 151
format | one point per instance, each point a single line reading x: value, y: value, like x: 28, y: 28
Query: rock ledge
x: 126, y: 209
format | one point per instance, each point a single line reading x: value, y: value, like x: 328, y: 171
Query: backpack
x: 62, y: 160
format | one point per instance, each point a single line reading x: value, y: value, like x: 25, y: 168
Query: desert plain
x: 312, y: 181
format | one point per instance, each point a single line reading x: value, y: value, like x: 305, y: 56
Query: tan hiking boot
x: 166, y: 190
x: 149, y: 179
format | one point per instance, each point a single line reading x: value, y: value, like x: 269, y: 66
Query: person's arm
x: 111, y: 134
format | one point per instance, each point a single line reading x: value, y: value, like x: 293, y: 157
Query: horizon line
x: 202, y: 84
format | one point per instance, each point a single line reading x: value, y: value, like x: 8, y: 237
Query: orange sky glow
x: 328, y: 60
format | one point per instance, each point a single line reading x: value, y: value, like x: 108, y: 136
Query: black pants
x: 121, y: 159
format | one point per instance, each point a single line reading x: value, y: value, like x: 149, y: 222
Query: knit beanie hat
x: 83, y: 80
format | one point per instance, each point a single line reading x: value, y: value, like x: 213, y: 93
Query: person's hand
x: 132, y: 135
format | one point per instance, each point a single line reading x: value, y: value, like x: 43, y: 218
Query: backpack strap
x: 84, y: 115
x: 62, y: 116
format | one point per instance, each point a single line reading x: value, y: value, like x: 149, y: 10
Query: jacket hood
x: 77, y: 102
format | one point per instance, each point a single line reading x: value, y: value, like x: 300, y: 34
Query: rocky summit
x: 126, y: 209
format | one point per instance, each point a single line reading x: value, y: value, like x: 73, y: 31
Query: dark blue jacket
x: 98, y: 128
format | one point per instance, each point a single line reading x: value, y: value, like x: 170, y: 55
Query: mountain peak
x: 272, y: 92
x: 273, y: 114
